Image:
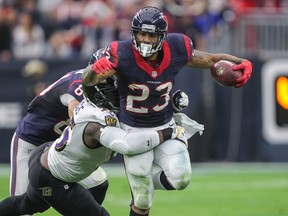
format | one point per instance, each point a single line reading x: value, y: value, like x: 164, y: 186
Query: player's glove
x: 180, y: 101
x: 102, y: 65
x: 247, y: 68
x: 179, y: 133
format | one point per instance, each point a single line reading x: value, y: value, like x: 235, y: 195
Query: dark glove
x: 180, y: 134
x: 180, y: 100
x: 177, y: 132
x: 247, y: 67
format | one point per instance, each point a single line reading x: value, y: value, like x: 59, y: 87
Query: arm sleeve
x: 66, y: 99
x: 128, y: 143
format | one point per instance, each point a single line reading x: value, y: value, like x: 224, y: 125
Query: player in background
x: 146, y: 67
x: 93, y: 138
x: 47, y: 115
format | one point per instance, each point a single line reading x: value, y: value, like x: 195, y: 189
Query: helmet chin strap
x: 146, y: 50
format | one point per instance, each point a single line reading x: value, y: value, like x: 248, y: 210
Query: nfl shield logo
x: 154, y: 73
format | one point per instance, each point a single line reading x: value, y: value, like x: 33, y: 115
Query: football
x: 223, y: 73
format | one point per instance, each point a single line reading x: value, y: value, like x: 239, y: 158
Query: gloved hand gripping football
x: 247, y: 67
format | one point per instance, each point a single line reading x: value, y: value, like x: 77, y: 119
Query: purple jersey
x: 145, y: 91
x: 46, y: 115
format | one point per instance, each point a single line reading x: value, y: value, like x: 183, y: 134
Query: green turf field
x: 215, y: 190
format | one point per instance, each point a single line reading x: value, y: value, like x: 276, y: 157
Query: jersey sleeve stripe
x: 75, y: 81
x: 114, y: 49
x: 188, y: 45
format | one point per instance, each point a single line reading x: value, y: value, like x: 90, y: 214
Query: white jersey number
x: 63, y: 140
x: 58, y: 128
x: 145, y: 91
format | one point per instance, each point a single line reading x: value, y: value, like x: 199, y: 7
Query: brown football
x: 223, y: 73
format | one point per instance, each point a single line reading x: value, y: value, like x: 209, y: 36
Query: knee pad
x: 142, y: 199
x: 179, y: 177
x: 174, y: 160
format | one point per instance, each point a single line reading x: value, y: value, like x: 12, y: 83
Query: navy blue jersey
x: 46, y: 115
x: 145, y: 91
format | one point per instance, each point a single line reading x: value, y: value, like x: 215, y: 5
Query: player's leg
x: 70, y: 198
x: 23, y: 204
x: 139, y: 174
x: 173, y: 158
x: 73, y: 199
x: 139, y: 171
x: 20, y: 153
x: 97, y: 184
x: 66, y: 198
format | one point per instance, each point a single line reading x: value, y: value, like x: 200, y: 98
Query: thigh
x: 172, y: 156
x: 66, y: 198
x: 140, y: 164
x: 20, y: 153
x: 34, y: 201
x: 72, y: 199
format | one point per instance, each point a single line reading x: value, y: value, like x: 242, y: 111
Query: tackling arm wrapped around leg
x: 128, y: 143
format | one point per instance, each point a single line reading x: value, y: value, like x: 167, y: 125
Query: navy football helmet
x: 104, y: 94
x: 151, y: 20
x: 100, y: 53
x: 96, y: 56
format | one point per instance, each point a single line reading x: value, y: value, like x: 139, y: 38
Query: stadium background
x: 243, y: 125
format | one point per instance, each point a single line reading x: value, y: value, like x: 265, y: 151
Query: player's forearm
x: 131, y: 143
x: 90, y: 78
x: 206, y: 60
x: 227, y: 57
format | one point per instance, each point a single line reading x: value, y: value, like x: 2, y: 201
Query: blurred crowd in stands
x: 76, y: 28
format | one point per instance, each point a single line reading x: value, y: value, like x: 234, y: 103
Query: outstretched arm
x: 124, y: 142
x: 206, y: 60
x: 130, y: 143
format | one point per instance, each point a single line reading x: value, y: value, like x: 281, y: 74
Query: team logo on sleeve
x: 110, y: 120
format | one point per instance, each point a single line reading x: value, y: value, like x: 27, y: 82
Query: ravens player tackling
x: 93, y: 138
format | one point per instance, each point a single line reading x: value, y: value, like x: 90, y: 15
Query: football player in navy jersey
x: 146, y: 67
x: 93, y: 138
x: 47, y: 115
